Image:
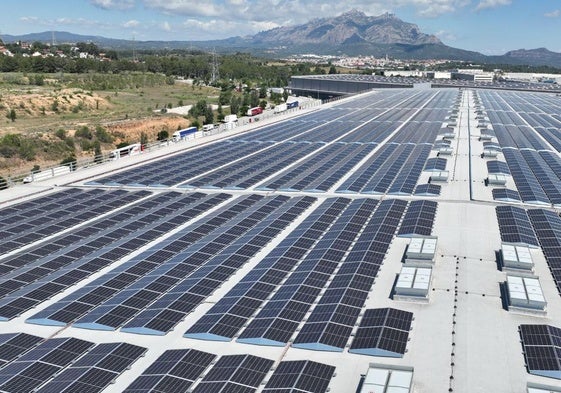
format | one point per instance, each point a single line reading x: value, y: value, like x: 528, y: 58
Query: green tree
x: 209, y: 115
x: 98, y: 155
x: 263, y: 104
x: 162, y: 135
x: 220, y: 113
x: 235, y: 105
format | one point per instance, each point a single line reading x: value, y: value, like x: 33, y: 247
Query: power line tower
x: 53, y: 40
x: 133, y: 50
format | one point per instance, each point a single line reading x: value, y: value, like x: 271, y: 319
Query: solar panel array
x: 535, y: 169
x: 152, y: 292
x: 300, y: 376
x: 542, y: 349
x: 515, y: 226
x: 331, y: 322
x: 182, y: 370
x: 383, y: 332
x: 32, y: 363
x: 419, y: 218
x: 160, y: 256
x: 31, y: 222
x: 74, y: 256
x: 505, y: 194
x: 547, y: 226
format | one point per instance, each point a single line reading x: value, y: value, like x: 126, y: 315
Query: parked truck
x: 230, y: 118
x: 184, y: 134
x: 293, y: 104
x: 280, y: 108
x: 254, y: 111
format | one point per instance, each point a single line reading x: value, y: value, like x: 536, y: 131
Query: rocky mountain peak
x: 352, y: 25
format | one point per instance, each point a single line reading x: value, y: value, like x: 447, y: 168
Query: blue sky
x: 487, y: 26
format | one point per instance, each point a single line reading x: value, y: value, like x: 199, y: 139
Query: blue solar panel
x: 542, y: 349
x: 302, y: 376
x: 515, y: 226
x: 382, y: 332
x: 174, y: 371
x: 495, y: 167
x: 547, y: 226
x: 505, y: 194
x: 331, y: 322
x: 228, y: 316
x: 418, y: 219
x: 279, y: 318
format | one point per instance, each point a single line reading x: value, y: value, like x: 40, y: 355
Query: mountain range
x: 352, y: 33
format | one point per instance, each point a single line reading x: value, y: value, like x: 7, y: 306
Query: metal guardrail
x: 83, y: 163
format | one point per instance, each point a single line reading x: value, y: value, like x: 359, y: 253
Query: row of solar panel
x: 268, y: 159
x: 535, y: 227
x: 69, y: 365
x: 32, y: 222
x: 36, y: 275
x: 153, y: 291
x: 281, y: 289
x: 535, y: 170
x: 179, y: 370
x: 33, y: 364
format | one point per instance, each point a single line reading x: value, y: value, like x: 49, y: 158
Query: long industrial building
x: 399, y: 240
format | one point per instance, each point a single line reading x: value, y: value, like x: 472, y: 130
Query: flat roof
x: 366, y: 152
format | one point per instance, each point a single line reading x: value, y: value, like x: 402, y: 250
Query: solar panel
x: 174, y: 371
x: 428, y: 189
x: 495, y: 167
x: 300, y: 376
x: 279, y: 318
x: 419, y: 219
x: 235, y: 373
x: 27, y: 287
x: 542, y: 349
x: 96, y: 369
x: 382, y: 332
x: 515, y: 226
x: 435, y: 164
x: 547, y: 225
x: 40, y: 364
x: 331, y: 322
x: 505, y: 194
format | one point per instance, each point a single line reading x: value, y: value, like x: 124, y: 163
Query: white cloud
x: 114, y: 4
x: 166, y: 26
x: 281, y: 12
x: 29, y: 19
x: 553, y: 14
x: 485, y: 4
x: 445, y: 36
x: 131, y: 23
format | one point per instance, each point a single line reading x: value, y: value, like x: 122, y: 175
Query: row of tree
x: 196, y: 66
